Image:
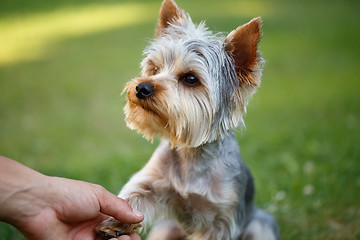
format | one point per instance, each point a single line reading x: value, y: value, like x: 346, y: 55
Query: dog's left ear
x: 242, y: 45
x: 170, y: 13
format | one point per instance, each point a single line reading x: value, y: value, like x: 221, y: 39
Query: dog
x: 193, y: 93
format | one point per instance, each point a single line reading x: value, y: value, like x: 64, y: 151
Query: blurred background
x: 64, y: 63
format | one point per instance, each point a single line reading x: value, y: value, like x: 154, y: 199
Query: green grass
x: 61, y: 109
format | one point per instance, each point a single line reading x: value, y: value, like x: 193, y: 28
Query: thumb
x: 118, y: 208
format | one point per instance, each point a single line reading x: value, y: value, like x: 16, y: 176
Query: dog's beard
x: 183, y: 117
x: 144, y: 115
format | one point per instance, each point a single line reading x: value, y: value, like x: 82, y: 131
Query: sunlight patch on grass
x: 28, y: 37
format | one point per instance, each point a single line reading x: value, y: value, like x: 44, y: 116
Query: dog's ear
x: 242, y: 45
x: 170, y: 13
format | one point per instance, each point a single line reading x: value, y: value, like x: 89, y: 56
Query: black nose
x: 144, y: 90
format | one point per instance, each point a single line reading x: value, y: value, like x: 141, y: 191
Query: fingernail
x: 137, y: 213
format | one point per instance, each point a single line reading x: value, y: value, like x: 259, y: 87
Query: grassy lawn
x: 63, y: 66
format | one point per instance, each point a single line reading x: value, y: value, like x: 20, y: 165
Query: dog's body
x: 209, y: 190
x: 193, y: 92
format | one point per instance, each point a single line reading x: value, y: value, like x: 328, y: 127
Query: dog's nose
x: 144, y: 90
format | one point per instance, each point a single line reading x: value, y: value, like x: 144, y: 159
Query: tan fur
x: 136, y: 111
x: 111, y: 226
x: 163, y: 121
x: 169, y: 13
x: 242, y: 44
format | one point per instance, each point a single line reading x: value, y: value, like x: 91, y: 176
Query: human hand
x: 76, y: 209
x: 58, y: 208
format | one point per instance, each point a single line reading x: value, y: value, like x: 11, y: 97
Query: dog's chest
x: 186, y: 208
x: 195, y: 183
x: 190, y: 180
x: 195, y: 191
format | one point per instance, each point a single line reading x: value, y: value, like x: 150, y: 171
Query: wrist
x: 21, y: 192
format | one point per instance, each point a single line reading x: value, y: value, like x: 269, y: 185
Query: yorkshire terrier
x: 193, y: 93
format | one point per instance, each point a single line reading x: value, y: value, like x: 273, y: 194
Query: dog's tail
x: 261, y: 226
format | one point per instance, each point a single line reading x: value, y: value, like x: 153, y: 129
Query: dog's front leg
x: 141, y: 195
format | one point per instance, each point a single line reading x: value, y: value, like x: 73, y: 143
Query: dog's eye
x: 190, y: 80
x: 155, y: 70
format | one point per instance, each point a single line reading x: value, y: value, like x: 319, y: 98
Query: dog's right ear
x: 170, y: 13
x: 242, y: 45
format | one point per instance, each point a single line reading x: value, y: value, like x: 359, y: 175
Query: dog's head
x: 195, y: 85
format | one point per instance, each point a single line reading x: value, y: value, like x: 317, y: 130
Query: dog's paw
x: 112, y: 228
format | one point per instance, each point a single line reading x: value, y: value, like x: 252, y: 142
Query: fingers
x: 134, y: 236
x: 116, y: 207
